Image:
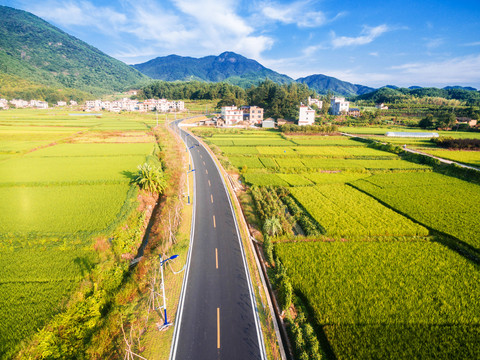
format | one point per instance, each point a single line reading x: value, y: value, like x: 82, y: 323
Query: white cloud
x: 185, y: 27
x: 460, y: 70
x: 218, y: 27
x: 82, y: 13
x: 434, y: 43
x: 368, y: 34
x: 301, y: 13
x: 476, y: 43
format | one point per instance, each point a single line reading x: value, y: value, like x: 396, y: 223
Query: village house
x: 316, y: 102
x: 125, y: 104
x: 252, y: 114
x: 466, y: 121
x: 4, y: 104
x: 38, y: 104
x: 61, y: 103
x: 306, y: 115
x: 381, y: 106
x: 231, y: 115
x: 354, y: 112
x: 338, y: 106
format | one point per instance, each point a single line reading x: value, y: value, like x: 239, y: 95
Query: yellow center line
x: 211, y: 198
x: 209, y: 183
x: 216, y: 258
x: 204, y: 163
x: 218, y: 328
x: 214, y: 225
x: 206, y: 171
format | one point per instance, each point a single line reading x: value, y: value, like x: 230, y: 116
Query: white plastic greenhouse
x: 412, y: 134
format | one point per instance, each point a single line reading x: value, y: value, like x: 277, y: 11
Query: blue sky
x: 374, y: 43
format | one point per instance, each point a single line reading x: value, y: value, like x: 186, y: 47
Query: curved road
x: 217, y: 318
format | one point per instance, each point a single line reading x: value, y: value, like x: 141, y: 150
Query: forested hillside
x: 34, y: 50
x: 228, y: 66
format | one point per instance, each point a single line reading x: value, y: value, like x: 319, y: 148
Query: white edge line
x: 261, y: 342
x: 178, y: 317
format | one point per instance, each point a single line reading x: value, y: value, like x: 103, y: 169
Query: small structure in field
x: 412, y: 134
x: 268, y: 123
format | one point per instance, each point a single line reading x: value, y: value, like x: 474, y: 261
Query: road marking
x: 201, y: 157
x: 214, y: 225
x: 204, y: 163
x: 209, y: 183
x: 211, y: 198
x: 206, y: 171
x: 216, y: 258
x: 218, y: 328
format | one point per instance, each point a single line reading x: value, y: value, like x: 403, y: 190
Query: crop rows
x: 68, y: 170
x: 249, y: 161
x: 440, y: 202
x: 466, y: 157
x: 388, y: 293
x: 60, y: 209
x: 346, y: 212
x: 54, y: 200
x: 114, y: 149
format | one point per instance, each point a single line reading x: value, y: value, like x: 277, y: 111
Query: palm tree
x: 272, y: 226
x: 151, y: 178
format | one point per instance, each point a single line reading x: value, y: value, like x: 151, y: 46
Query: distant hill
x: 392, y: 95
x: 228, y: 66
x: 459, y: 88
x: 323, y: 84
x: 40, y: 53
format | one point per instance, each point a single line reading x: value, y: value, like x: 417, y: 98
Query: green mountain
x: 392, y: 95
x: 34, y: 50
x: 228, y: 66
x: 323, y: 84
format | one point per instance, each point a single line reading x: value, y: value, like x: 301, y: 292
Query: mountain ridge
x: 228, y: 66
x: 35, y: 50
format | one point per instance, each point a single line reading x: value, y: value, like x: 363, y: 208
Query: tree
x: 272, y: 226
x: 446, y: 120
x: 150, y: 178
x: 427, y: 122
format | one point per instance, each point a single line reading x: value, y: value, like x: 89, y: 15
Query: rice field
x: 383, y: 281
x: 63, y: 180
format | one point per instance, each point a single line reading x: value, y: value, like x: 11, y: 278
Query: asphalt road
x: 218, y: 319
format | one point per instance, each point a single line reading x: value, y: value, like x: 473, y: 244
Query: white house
x: 339, y: 106
x: 4, y: 104
x: 306, y: 115
x: 231, y: 115
x: 317, y: 102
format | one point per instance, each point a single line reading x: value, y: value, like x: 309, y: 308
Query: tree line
x: 277, y: 100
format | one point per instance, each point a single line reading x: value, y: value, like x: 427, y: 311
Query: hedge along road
x: 217, y: 316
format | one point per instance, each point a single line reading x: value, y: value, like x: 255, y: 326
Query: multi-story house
x: 338, y: 106
x: 306, y: 115
x: 313, y: 101
x: 231, y: 115
x: 253, y: 114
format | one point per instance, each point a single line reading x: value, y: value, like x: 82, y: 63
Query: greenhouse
x: 412, y: 134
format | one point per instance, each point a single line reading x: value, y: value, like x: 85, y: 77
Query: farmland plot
x: 438, y: 201
x: 54, y: 200
x: 345, y: 212
x: 389, y: 300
